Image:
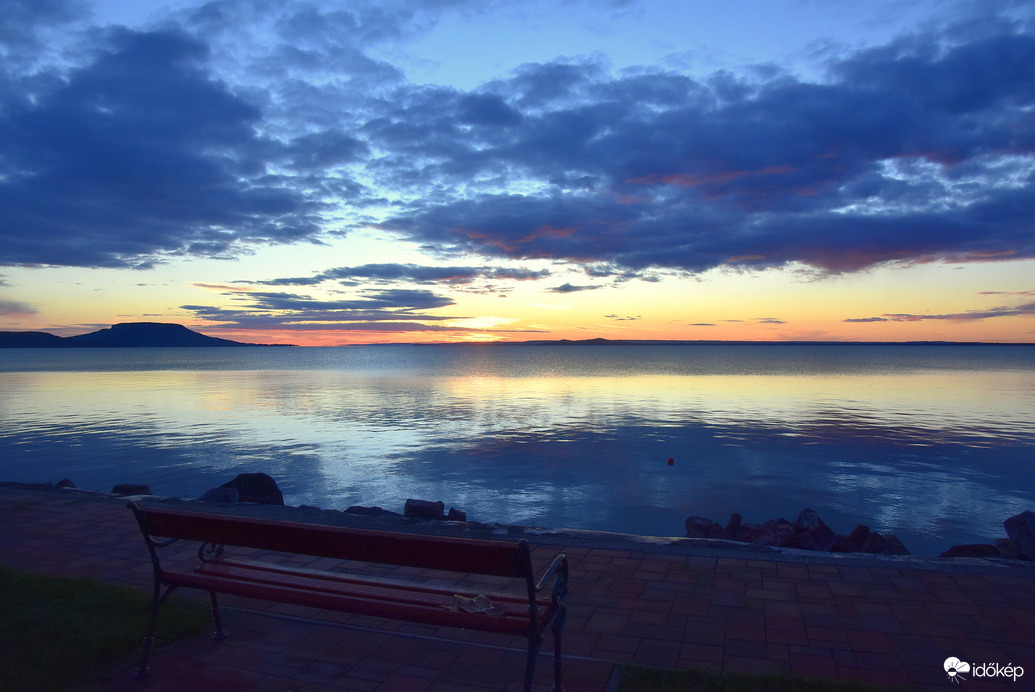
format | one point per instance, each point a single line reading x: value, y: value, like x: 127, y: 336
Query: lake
x: 934, y: 443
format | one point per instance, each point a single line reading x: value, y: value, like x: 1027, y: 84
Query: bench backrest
x: 474, y: 556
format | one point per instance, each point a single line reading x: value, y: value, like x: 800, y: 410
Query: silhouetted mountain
x: 130, y: 334
x: 30, y: 340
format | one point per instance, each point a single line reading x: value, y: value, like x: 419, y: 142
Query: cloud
x: 389, y: 310
x: 569, y: 288
x: 137, y: 156
x: 228, y: 128
x: 970, y: 315
x: 411, y: 273
x: 21, y: 21
x: 394, y: 299
x: 12, y: 307
x: 897, y: 158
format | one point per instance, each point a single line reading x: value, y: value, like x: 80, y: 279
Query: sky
x: 326, y: 173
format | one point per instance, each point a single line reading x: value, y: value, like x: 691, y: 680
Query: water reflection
x: 935, y: 454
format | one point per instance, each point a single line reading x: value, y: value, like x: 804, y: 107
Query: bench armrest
x: 558, y: 566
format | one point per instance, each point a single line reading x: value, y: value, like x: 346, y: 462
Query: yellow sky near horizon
x: 935, y: 301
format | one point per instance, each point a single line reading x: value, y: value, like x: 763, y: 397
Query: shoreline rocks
x: 1021, y: 530
x: 1019, y: 546
x: 254, y: 487
x: 425, y: 509
x: 129, y: 489
x: 806, y: 532
x: 809, y: 532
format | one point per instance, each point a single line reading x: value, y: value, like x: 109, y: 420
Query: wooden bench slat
x: 411, y: 612
x: 362, y: 589
x: 386, y: 582
x: 432, y: 552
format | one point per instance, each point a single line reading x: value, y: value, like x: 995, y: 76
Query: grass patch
x: 644, y: 679
x: 72, y: 634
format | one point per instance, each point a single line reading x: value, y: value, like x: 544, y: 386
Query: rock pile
x: 1020, y: 545
x: 425, y: 509
x: 807, y: 532
x: 415, y: 509
x: 1021, y: 530
x: 260, y: 488
x: 247, y: 487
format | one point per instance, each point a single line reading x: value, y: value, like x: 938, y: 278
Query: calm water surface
x: 933, y: 443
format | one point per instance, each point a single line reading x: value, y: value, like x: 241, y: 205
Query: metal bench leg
x: 149, y: 640
x: 533, y: 651
x: 558, y: 627
x: 220, y: 632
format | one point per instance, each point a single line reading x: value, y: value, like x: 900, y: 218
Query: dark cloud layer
x: 393, y: 309
x: 384, y: 310
x: 1026, y: 309
x: 906, y: 154
x: 409, y: 273
x: 157, y: 143
x: 138, y: 155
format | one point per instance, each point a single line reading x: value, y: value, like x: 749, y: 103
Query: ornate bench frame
x: 529, y: 614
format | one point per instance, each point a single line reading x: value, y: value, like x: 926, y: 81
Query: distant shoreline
x: 168, y: 335
x: 681, y: 342
x: 732, y: 342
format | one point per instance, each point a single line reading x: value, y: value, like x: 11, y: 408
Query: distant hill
x: 30, y: 340
x: 129, y: 334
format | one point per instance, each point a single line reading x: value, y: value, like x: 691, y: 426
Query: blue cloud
x: 136, y: 156
x: 200, y: 139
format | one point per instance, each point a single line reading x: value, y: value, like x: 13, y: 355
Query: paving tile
x: 812, y: 665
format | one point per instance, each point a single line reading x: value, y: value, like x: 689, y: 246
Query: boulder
x: 819, y: 537
x: 841, y: 544
x: 456, y: 515
x: 698, y: 527
x: 256, y: 487
x: 859, y: 534
x: 895, y: 546
x: 65, y: 483
x: 748, y: 532
x: 971, y: 550
x: 424, y: 509
x: 370, y: 511
x: 807, y: 520
x: 220, y: 495
x: 130, y: 489
x: 1021, y: 530
x: 1007, y: 549
x: 854, y: 542
x: 776, y: 532
x: 717, y: 531
x: 733, y: 525
x: 875, y: 543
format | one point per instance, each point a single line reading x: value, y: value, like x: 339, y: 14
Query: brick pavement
x: 890, y: 620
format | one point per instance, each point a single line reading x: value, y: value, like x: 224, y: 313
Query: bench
x: 528, y: 612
